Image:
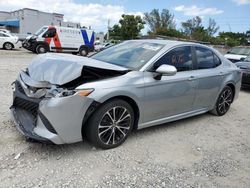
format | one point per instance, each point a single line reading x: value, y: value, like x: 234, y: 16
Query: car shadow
x: 55, y: 150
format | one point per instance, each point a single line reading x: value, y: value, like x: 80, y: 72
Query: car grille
x: 29, y: 106
x: 23, y: 102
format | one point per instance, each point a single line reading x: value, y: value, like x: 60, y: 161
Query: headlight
x: 82, y: 92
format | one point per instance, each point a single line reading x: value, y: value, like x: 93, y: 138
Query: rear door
x: 209, y: 76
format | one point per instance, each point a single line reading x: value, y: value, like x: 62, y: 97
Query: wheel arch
x: 232, y: 86
x: 10, y: 43
x: 42, y: 43
x: 95, y: 105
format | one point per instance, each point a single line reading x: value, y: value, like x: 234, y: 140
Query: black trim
x: 92, y: 108
x: 60, y: 48
x: 24, y: 111
x: 46, y: 122
x: 24, y: 123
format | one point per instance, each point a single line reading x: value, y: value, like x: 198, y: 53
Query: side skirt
x: 172, y: 118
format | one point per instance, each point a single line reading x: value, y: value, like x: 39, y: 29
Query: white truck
x: 61, y: 39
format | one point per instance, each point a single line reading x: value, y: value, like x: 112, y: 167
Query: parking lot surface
x: 202, y: 151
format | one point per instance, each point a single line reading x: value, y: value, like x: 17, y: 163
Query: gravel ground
x: 202, y: 151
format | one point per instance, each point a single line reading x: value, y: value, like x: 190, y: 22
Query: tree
x: 129, y: 27
x: 192, y: 25
x: 159, y: 21
x: 115, y: 32
x: 212, y: 27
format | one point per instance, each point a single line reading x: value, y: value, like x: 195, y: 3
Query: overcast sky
x: 231, y: 15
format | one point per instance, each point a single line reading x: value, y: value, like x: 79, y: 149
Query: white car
x: 237, y: 53
x: 8, y: 41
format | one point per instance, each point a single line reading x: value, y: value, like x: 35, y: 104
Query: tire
x: 83, y: 51
x: 8, y: 46
x: 223, y: 102
x: 41, y: 49
x: 103, y: 132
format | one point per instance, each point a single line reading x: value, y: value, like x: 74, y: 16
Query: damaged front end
x: 48, y: 109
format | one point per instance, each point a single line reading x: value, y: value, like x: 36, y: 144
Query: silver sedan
x: 139, y: 83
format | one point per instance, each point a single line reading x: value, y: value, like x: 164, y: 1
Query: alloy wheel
x: 114, y: 125
x: 225, y: 101
x: 8, y: 46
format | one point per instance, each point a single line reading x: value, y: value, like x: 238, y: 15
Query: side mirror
x: 167, y: 70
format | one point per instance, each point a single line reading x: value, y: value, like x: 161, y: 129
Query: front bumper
x: 246, y: 79
x: 56, y: 120
x: 29, y: 45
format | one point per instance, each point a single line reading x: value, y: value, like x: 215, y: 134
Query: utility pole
x: 108, y: 29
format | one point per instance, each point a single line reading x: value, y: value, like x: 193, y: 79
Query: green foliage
x: 212, y: 27
x: 162, y: 23
x: 170, y: 33
x: 194, y: 29
x: 129, y: 28
x: 233, y: 39
x: 159, y: 21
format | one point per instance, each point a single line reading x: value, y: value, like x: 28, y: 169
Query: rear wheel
x: 223, y: 102
x: 110, y: 125
x: 41, y: 49
x: 8, y: 46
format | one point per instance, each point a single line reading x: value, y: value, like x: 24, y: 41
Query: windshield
x: 240, y: 51
x: 40, y: 31
x: 130, y: 54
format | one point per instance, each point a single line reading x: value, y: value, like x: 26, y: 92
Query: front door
x: 171, y: 95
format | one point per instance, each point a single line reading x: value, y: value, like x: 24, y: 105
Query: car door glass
x: 50, y: 33
x: 206, y: 59
x: 180, y: 57
x: 217, y: 61
x: 3, y: 35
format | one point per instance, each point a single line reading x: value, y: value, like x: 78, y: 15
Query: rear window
x: 206, y: 59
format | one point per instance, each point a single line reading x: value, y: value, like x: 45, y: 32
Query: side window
x: 50, y: 33
x: 216, y: 60
x: 3, y: 35
x: 180, y: 57
x: 206, y: 59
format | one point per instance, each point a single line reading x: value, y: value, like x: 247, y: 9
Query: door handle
x: 191, y: 78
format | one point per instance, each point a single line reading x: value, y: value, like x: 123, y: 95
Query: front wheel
x: 110, y: 125
x: 41, y: 49
x: 223, y: 102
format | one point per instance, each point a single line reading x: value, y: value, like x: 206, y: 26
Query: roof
x: 166, y: 42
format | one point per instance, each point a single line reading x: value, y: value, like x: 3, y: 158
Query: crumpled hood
x: 60, y: 69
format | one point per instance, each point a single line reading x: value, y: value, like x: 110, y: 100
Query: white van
x: 61, y: 39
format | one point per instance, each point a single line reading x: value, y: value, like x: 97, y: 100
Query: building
x: 27, y: 21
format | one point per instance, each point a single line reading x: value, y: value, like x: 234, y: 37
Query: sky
x: 230, y: 15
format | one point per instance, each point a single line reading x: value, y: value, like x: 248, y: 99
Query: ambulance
x: 60, y: 39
